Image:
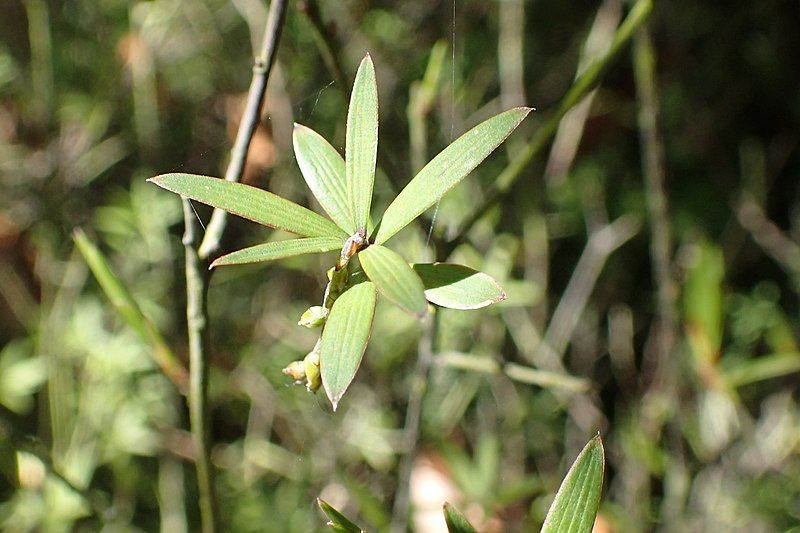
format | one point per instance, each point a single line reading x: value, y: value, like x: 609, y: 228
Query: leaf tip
x: 503, y: 295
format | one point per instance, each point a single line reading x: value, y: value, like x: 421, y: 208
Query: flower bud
x: 296, y: 370
x: 313, y: 317
x: 311, y: 367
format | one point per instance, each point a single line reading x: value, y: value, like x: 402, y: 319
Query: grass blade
x: 394, y: 278
x: 249, y: 202
x: 336, y: 520
x: 323, y: 169
x: 458, y: 286
x: 129, y: 311
x: 761, y: 368
x: 447, y: 169
x: 577, y: 500
x: 279, y: 250
x: 361, y: 147
x: 345, y: 337
x: 456, y: 522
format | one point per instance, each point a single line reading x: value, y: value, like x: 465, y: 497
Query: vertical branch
x: 250, y: 119
x: 510, y: 61
x: 419, y: 385
x: 199, y: 366
x: 197, y: 275
x: 41, y: 44
x: 655, y: 176
x: 659, y: 367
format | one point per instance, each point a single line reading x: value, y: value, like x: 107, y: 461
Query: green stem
x: 419, y: 385
x: 199, y: 366
x: 587, y: 81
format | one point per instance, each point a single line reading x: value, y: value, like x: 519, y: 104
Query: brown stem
x: 250, y: 119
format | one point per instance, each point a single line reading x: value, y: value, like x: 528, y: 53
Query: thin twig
x: 570, y: 130
x: 326, y: 43
x: 199, y: 365
x: 418, y: 387
x: 659, y: 367
x: 638, y: 14
x: 510, y: 47
x: 250, y: 119
x: 570, y: 308
x: 766, y: 234
x: 653, y: 168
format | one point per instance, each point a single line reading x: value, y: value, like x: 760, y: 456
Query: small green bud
x: 313, y: 376
x: 313, y: 317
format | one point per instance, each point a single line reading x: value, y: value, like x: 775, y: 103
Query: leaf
x: 575, y: 506
x: 394, y: 278
x: 702, y: 301
x: 761, y: 368
x: 456, y: 522
x: 249, y: 202
x: 447, y: 169
x: 279, y: 250
x: 458, y: 286
x: 127, y: 308
x: 336, y: 520
x: 345, y: 337
x: 361, y: 146
x: 323, y: 169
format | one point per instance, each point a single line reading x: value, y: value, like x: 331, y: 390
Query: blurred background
x: 649, y: 245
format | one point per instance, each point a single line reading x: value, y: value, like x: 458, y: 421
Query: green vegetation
x: 476, y: 304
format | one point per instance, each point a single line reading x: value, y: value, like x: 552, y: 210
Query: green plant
x: 344, y: 188
x: 573, y: 510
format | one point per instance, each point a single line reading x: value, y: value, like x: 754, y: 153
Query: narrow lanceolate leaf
x: 576, y: 503
x: 323, y: 170
x: 280, y: 250
x: 249, y: 202
x: 361, y: 146
x: 456, y: 522
x: 127, y: 308
x: 447, y: 169
x: 394, y: 278
x: 336, y: 520
x: 345, y: 337
x: 458, y: 286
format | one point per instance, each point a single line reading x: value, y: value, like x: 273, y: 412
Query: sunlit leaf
x: 394, y: 278
x: 575, y: 506
x: 249, y: 202
x: 324, y: 172
x: 336, y: 520
x: 456, y: 522
x: 361, y: 146
x: 458, y: 286
x: 345, y: 337
x: 279, y: 250
x: 447, y: 169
